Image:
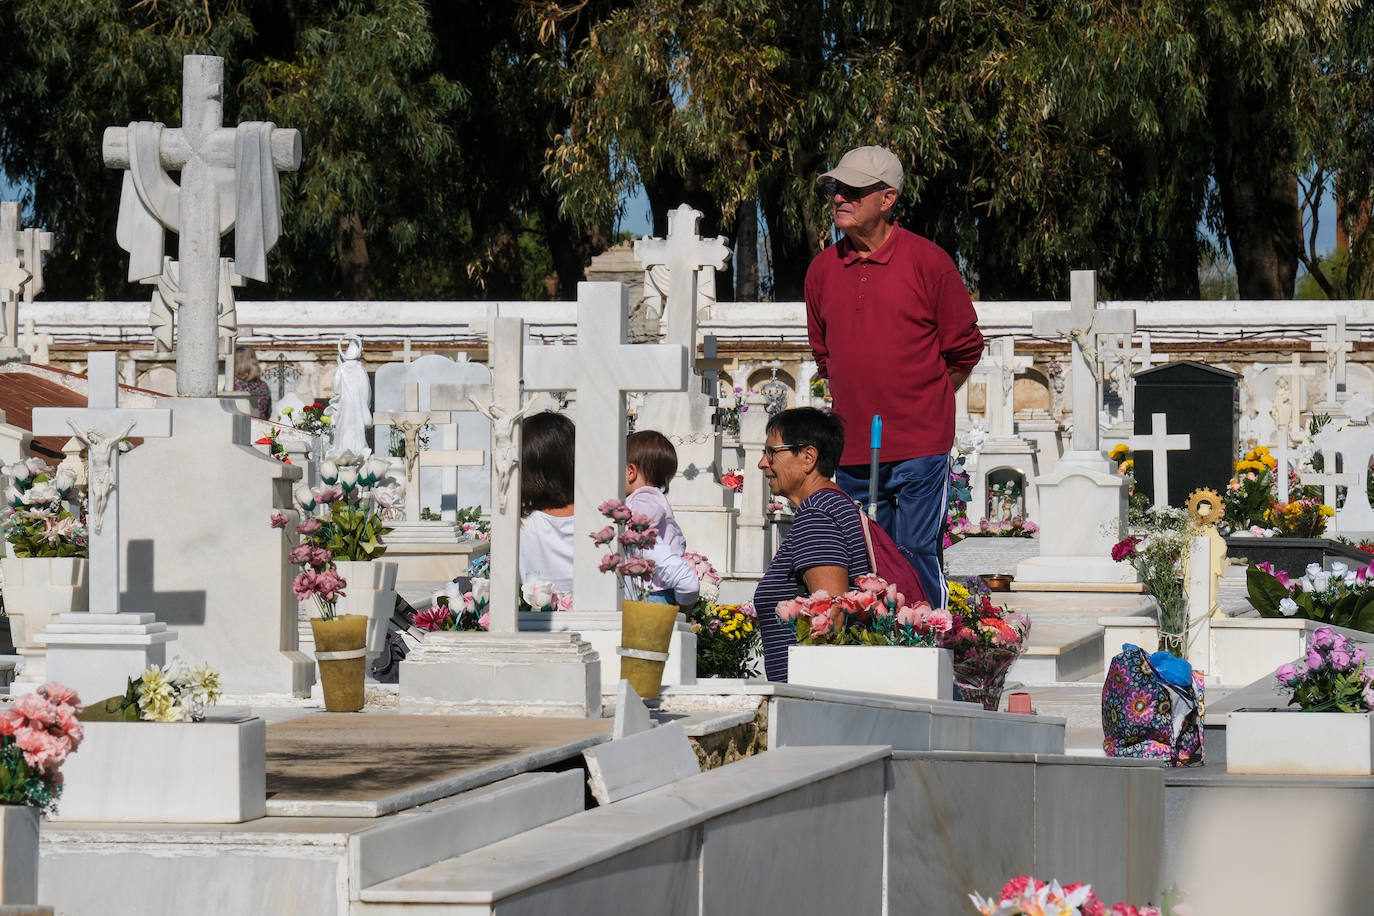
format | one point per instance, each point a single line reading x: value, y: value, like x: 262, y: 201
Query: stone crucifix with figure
x: 410, y: 422
x: 1084, y: 324
x: 501, y: 403
x: 94, y: 652
x: 601, y: 368
x: 228, y: 181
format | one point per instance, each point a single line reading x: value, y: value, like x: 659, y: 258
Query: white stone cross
x: 21, y: 267
x: 1329, y: 479
x: 101, y: 425
x: 1355, y: 445
x: 684, y: 253
x: 35, y: 344
x: 410, y: 421
x: 1144, y: 357
x: 501, y: 403
x: 601, y: 368
x: 1159, y: 443
x: 202, y: 207
x: 1083, y: 323
x: 405, y: 354
x: 999, y: 366
x: 1335, y: 345
x: 1281, y: 455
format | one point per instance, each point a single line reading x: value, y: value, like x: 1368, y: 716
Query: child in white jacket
x: 650, y: 464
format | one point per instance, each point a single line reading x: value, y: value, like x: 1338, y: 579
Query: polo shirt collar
x: 883, y: 255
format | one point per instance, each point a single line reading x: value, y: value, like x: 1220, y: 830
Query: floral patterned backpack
x: 1152, y: 708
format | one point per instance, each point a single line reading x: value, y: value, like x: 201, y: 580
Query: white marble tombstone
x: 1003, y: 449
x: 1083, y: 500
x: 21, y: 274
x: 442, y: 490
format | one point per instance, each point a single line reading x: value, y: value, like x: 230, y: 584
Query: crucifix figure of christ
x: 101, y: 425
x: 1084, y: 324
x: 1335, y: 344
x: 228, y: 181
x: 501, y: 402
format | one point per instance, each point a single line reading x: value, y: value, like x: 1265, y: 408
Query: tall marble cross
x: 1296, y: 372
x: 1083, y: 323
x: 21, y: 268
x: 501, y: 402
x: 601, y: 367
x: 202, y: 207
x: 999, y: 367
x: 1329, y: 479
x: 100, y: 425
x: 1144, y: 357
x: 1159, y: 443
x: 1335, y: 345
x: 684, y: 253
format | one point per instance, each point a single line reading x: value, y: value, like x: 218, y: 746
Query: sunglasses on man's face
x: 831, y: 187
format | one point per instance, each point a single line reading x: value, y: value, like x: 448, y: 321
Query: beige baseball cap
x: 865, y: 166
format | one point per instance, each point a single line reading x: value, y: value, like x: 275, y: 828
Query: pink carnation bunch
x: 37, y: 732
x: 632, y: 533
x: 702, y: 567
x: 873, y: 612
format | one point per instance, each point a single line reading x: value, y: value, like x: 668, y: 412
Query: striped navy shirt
x: 825, y: 532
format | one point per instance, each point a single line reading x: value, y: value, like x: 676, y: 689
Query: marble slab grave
x: 345, y: 765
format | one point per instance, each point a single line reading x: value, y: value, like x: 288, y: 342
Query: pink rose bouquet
x: 632, y: 533
x: 1331, y: 678
x: 874, y: 613
x: 37, y: 732
x: 733, y: 481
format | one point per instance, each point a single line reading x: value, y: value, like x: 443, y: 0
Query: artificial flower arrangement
x: 354, y: 489
x: 471, y: 523
x: 274, y: 448
x: 1025, y: 896
x: 312, y: 417
x: 985, y: 639
x: 1014, y: 527
x: 732, y: 481
x: 779, y: 508
x: 1157, y: 552
x: 632, y: 534
x: 457, y: 609
x: 1245, y: 503
x: 37, y: 732
x: 540, y: 595
x: 1331, y: 677
x: 872, y: 614
x: 174, y: 693
x: 728, y: 638
x: 1342, y: 597
x: 731, y: 406
x: 1137, y: 503
x: 1304, y: 517
x: 960, y: 492
x: 319, y: 578
x: 44, y: 511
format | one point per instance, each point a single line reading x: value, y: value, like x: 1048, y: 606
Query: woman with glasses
x: 825, y: 547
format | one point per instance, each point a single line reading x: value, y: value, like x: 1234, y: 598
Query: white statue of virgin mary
x: 350, y: 407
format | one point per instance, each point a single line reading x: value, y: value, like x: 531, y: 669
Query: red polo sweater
x: 886, y: 330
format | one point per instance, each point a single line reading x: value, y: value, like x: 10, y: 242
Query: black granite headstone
x: 1199, y: 400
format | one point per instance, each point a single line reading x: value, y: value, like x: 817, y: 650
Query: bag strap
x: 868, y: 543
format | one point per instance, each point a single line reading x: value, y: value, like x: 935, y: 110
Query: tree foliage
x: 473, y: 148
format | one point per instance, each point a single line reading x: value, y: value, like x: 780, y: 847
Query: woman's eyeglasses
x: 770, y: 451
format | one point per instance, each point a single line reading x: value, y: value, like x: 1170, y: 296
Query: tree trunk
x: 355, y: 270
x: 747, y: 252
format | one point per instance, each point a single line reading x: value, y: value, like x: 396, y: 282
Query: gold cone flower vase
x: 341, y: 653
x: 645, y: 630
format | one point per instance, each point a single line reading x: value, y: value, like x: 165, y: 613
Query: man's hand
x: 957, y: 379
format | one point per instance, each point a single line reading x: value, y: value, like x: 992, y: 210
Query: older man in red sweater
x: 894, y: 330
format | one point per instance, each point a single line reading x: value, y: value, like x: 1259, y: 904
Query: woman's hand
x: 834, y: 579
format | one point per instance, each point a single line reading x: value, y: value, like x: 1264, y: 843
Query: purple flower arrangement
x: 1331, y: 678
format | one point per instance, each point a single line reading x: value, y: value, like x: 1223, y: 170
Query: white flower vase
x: 37, y: 590
x: 371, y: 591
